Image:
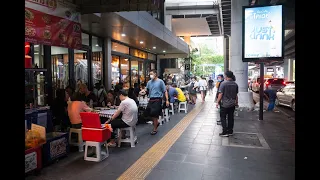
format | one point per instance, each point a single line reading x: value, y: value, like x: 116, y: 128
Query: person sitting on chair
x: 129, y: 110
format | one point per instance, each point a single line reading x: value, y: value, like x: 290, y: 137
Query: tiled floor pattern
x: 200, y: 154
x: 143, y: 166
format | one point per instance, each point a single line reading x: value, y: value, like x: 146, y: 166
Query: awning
x: 137, y: 26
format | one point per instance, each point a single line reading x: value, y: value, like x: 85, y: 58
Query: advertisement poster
x: 52, y: 22
x: 263, y: 32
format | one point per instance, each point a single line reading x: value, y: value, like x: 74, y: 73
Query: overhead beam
x: 192, y: 11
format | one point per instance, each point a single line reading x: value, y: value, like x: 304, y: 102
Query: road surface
x: 283, y: 109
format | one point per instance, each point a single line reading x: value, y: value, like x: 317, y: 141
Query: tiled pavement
x: 198, y: 154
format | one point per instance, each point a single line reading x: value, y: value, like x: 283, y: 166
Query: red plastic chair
x: 95, y: 135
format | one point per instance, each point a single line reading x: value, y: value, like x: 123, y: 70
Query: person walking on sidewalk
x: 220, y: 80
x: 227, y: 100
x: 192, y: 89
x: 203, y: 88
x: 156, y: 89
x: 210, y: 85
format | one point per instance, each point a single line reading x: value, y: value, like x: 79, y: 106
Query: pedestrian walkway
x: 189, y: 147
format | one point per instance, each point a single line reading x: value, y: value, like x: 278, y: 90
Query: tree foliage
x: 203, y: 56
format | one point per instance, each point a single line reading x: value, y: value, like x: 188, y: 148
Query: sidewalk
x: 259, y: 150
x: 189, y: 148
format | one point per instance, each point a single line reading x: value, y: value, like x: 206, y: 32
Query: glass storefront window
x: 134, y: 72
x: 81, y: 66
x: 119, y: 48
x: 85, y: 39
x: 60, y: 70
x: 38, y: 56
x: 97, y: 59
x: 141, y: 72
x: 115, y: 71
x: 148, y: 68
x: 124, y: 75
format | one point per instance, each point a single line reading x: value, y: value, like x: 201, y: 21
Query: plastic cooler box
x: 96, y: 135
x: 92, y: 130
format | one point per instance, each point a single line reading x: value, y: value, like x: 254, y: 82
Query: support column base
x: 245, y: 100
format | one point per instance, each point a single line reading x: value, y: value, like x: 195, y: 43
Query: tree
x: 204, y: 56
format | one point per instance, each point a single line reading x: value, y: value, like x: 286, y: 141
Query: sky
x: 216, y: 43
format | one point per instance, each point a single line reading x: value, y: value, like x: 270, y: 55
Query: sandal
x: 153, y: 132
x: 112, y: 145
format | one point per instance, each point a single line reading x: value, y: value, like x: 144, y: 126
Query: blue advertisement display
x: 263, y: 32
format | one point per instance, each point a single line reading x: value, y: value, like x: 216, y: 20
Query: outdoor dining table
x: 104, y: 113
x: 108, y: 113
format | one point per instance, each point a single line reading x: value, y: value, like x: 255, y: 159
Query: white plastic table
x: 107, y: 113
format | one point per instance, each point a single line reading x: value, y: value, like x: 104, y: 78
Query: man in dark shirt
x: 227, y: 100
x: 210, y: 84
x: 88, y: 96
x: 271, y: 97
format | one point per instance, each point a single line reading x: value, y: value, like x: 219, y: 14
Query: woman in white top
x: 203, y: 87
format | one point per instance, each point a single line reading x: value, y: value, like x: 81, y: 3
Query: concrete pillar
x: 288, y: 69
x: 168, y: 22
x: 107, y: 63
x: 239, y: 68
x: 226, y: 53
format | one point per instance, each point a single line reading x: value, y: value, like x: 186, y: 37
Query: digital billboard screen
x: 263, y: 33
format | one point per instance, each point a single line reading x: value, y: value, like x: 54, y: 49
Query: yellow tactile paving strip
x: 144, y: 165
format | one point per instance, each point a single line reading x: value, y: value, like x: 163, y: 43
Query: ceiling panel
x: 190, y: 26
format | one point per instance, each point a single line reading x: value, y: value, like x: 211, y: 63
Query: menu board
x: 52, y: 22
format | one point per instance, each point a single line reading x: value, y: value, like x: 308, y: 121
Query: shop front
x: 130, y: 65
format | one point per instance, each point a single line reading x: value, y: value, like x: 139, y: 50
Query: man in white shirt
x: 129, y: 110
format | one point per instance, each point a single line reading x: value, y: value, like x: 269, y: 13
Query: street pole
x: 261, y: 91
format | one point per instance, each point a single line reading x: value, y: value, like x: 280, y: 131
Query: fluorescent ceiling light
x: 154, y: 47
x: 36, y: 45
x: 141, y: 42
x: 97, y: 44
x: 123, y: 35
x: 164, y: 51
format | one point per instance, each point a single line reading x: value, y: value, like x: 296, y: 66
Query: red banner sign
x: 48, y: 29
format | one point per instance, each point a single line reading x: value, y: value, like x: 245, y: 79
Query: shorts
x: 210, y: 87
x: 154, y: 108
x: 204, y: 92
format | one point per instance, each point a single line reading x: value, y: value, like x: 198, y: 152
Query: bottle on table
x: 91, y: 103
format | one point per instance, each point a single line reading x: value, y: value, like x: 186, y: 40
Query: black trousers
x: 115, y: 124
x: 227, y: 127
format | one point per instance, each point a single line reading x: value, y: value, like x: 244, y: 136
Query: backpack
x: 191, y: 90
